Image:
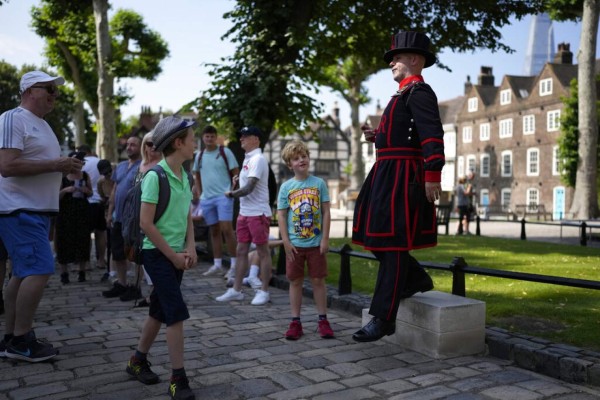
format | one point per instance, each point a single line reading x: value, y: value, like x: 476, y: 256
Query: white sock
x: 232, y: 262
x: 254, y: 269
x: 218, y: 262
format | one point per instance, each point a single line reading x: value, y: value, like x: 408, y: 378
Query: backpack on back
x: 133, y: 235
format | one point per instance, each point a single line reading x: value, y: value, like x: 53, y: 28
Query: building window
x: 484, y: 132
x: 506, y: 128
x: 533, y: 199
x: 471, y: 163
x: 505, y: 199
x: 533, y: 162
x: 467, y: 134
x: 484, y: 170
x: 505, y: 97
x: 506, y: 163
x: 528, y: 124
x: 472, y: 104
x: 460, y: 168
x: 553, y: 120
x: 327, y: 168
x: 546, y: 87
x: 555, y: 161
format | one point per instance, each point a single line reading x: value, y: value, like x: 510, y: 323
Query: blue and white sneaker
x: 31, y: 349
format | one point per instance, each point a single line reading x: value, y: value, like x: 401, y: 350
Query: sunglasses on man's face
x: 49, y: 89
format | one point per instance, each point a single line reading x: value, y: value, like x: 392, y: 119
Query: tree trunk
x: 107, y: 131
x: 79, y: 121
x: 358, y: 164
x: 585, y: 198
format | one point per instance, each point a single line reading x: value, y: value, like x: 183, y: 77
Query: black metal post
x: 458, y: 276
x: 345, y: 283
x: 346, y: 227
x: 583, y: 237
x: 523, y: 235
x: 477, y: 227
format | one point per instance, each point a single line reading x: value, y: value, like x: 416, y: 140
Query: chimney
x: 336, y: 111
x: 564, y: 54
x: 468, y: 84
x: 486, y: 78
x: 378, y: 109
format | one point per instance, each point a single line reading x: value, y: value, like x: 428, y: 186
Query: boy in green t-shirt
x: 167, y: 251
x: 304, y: 221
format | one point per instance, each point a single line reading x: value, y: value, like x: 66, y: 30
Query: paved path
x: 237, y: 351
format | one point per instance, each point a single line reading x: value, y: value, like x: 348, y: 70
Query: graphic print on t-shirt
x: 306, y: 217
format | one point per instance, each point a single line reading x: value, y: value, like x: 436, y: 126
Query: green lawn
x: 557, y: 313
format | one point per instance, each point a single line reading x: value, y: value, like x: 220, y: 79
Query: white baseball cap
x: 31, y: 78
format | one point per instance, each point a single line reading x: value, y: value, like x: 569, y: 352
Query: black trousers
x: 398, y: 270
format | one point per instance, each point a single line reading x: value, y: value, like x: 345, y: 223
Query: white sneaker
x: 253, y: 282
x: 214, y: 270
x: 231, y: 294
x: 260, y: 298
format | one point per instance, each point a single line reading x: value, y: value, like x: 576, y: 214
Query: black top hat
x: 410, y: 42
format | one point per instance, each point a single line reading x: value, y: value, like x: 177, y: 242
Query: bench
x: 486, y: 212
x: 439, y: 325
x: 539, y: 210
x: 443, y: 215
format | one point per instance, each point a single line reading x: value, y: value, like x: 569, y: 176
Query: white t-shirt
x: 256, y: 203
x: 21, y: 129
x: 91, y: 167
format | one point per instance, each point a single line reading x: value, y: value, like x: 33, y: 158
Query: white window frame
x: 467, y: 134
x: 505, y: 97
x: 504, y: 201
x: 546, y: 87
x: 484, y: 132
x: 506, y: 153
x: 556, y: 162
x: 506, y: 128
x: 471, y: 164
x: 528, y: 124
x: 533, y: 165
x: 532, y: 198
x: 460, y: 166
x: 553, y: 120
x: 472, y: 104
x: 484, y: 165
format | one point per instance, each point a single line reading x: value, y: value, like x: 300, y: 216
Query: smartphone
x: 80, y: 155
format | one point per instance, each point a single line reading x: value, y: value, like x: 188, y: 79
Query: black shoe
x: 31, y: 349
x: 64, y: 278
x: 375, y: 330
x: 105, y: 277
x: 141, y: 371
x: 132, y: 293
x: 116, y: 291
x: 143, y: 303
x: 179, y: 389
x: 81, y: 277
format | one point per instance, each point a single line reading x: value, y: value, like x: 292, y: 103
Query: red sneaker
x: 294, y: 332
x: 325, y: 329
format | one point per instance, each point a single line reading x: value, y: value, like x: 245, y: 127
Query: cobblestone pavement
x: 237, y: 351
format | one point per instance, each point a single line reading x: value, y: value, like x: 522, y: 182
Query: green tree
x: 585, y: 197
x: 285, y: 48
x: 69, y: 29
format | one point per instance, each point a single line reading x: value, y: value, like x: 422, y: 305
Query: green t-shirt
x: 173, y: 223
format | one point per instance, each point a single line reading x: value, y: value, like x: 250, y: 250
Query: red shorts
x: 253, y: 229
x: 312, y: 257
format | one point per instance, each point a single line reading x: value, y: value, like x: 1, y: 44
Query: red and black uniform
x: 392, y: 214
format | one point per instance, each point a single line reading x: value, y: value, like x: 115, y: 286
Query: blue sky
x: 193, y: 30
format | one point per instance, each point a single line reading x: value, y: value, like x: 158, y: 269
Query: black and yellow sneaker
x: 179, y: 389
x: 141, y: 371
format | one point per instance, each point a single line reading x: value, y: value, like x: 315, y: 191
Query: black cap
x: 250, y: 130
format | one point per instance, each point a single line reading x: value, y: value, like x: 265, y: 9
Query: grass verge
x: 556, y: 313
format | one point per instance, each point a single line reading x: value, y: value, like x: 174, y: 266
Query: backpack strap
x: 164, y: 192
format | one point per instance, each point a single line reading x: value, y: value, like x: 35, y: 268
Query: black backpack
x: 133, y: 235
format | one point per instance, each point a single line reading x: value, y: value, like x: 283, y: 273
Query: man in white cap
x: 31, y: 169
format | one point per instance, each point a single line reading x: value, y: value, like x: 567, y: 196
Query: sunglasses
x: 49, y: 89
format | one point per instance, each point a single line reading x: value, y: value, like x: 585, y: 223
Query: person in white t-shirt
x: 254, y: 218
x: 31, y: 169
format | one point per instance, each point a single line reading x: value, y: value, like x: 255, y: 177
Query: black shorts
x: 117, y: 244
x: 97, y: 218
x: 166, y: 300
